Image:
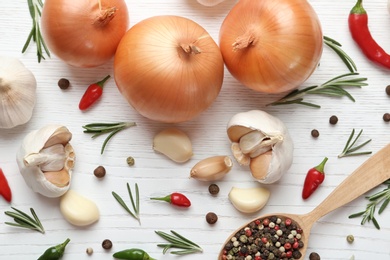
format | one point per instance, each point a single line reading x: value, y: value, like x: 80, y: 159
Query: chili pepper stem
x: 63, y: 245
x: 321, y: 166
x: 358, y: 8
x: 101, y: 83
x: 166, y: 198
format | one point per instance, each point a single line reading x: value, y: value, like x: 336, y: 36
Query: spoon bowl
x: 370, y: 174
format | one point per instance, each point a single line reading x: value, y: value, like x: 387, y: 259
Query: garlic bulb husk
x: 263, y: 142
x: 46, y: 160
x: 210, y: 2
x: 17, y: 93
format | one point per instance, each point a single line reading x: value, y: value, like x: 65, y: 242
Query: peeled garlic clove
x: 212, y: 168
x: 174, y: 144
x: 210, y: 2
x: 17, y: 93
x: 46, y: 160
x: 259, y: 133
x: 78, y: 210
x: 249, y: 200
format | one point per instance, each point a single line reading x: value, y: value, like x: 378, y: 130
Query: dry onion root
x: 168, y: 68
x: 274, y: 47
x: 84, y: 33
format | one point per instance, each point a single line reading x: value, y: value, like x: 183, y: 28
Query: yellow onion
x: 84, y: 33
x: 271, y: 46
x: 168, y: 68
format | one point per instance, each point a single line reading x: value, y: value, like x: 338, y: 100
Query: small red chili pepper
x: 314, y: 177
x: 5, y: 190
x: 358, y: 26
x: 92, y: 94
x: 176, y: 198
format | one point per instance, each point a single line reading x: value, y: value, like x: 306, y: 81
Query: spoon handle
x: 370, y: 174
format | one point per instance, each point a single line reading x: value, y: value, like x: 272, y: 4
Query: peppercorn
x: 333, y: 120
x: 213, y: 189
x: 314, y: 256
x: 89, y: 251
x: 211, y: 218
x: 107, y: 244
x: 99, y: 172
x: 350, y: 239
x: 388, y: 90
x: 63, y: 83
x: 315, y: 133
x: 386, y: 117
x: 130, y: 161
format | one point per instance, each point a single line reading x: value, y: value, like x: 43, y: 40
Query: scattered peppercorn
x: 99, y: 172
x: 314, y: 256
x: 333, y: 120
x: 89, y: 251
x: 350, y: 239
x: 211, y: 218
x: 388, y: 90
x: 386, y: 117
x: 63, y: 83
x: 107, y: 244
x: 315, y: 133
x: 213, y: 189
x: 130, y: 161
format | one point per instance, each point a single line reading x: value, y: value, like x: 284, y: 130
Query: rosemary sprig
x: 35, y: 7
x: 103, y: 128
x: 333, y: 87
x: 134, y: 204
x: 349, y: 148
x: 23, y: 220
x: 379, y: 198
x: 176, y: 240
x: 336, y: 47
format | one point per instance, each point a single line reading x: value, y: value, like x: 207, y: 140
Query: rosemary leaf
x: 336, y: 47
x: 135, y: 205
x: 98, y: 129
x: 35, y: 34
x: 178, y: 241
x: 332, y: 87
x: 23, y: 220
x: 350, y: 148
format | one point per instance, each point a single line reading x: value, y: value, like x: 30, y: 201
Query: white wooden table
x: 156, y: 175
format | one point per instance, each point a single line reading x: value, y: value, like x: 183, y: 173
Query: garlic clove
x: 249, y: 200
x: 78, y: 210
x: 212, y: 168
x: 210, y: 2
x: 257, y: 133
x: 240, y: 157
x: 174, y: 144
x: 17, y: 93
x: 46, y: 160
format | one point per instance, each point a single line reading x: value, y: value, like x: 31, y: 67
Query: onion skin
x: 73, y: 33
x: 285, y: 43
x: 158, y: 78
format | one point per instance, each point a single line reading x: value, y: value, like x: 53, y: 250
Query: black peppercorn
x: 107, y: 244
x: 388, y: 90
x: 315, y: 133
x: 211, y: 218
x: 213, y: 189
x: 333, y: 120
x: 63, y: 83
x: 386, y: 117
x: 99, y: 172
x: 314, y: 256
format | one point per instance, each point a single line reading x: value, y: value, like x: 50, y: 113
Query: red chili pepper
x: 176, y: 198
x: 93, y: 93
x: 5, y: 190
x: 314, y: 177
x: 358, y: 26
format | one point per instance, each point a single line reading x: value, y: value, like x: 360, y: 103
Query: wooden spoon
x: 369, y: 175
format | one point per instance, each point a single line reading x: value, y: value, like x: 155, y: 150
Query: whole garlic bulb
x: 17, y: 93
x: 210, y: 2
x: 46, y: 160
x: 261, y: 141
